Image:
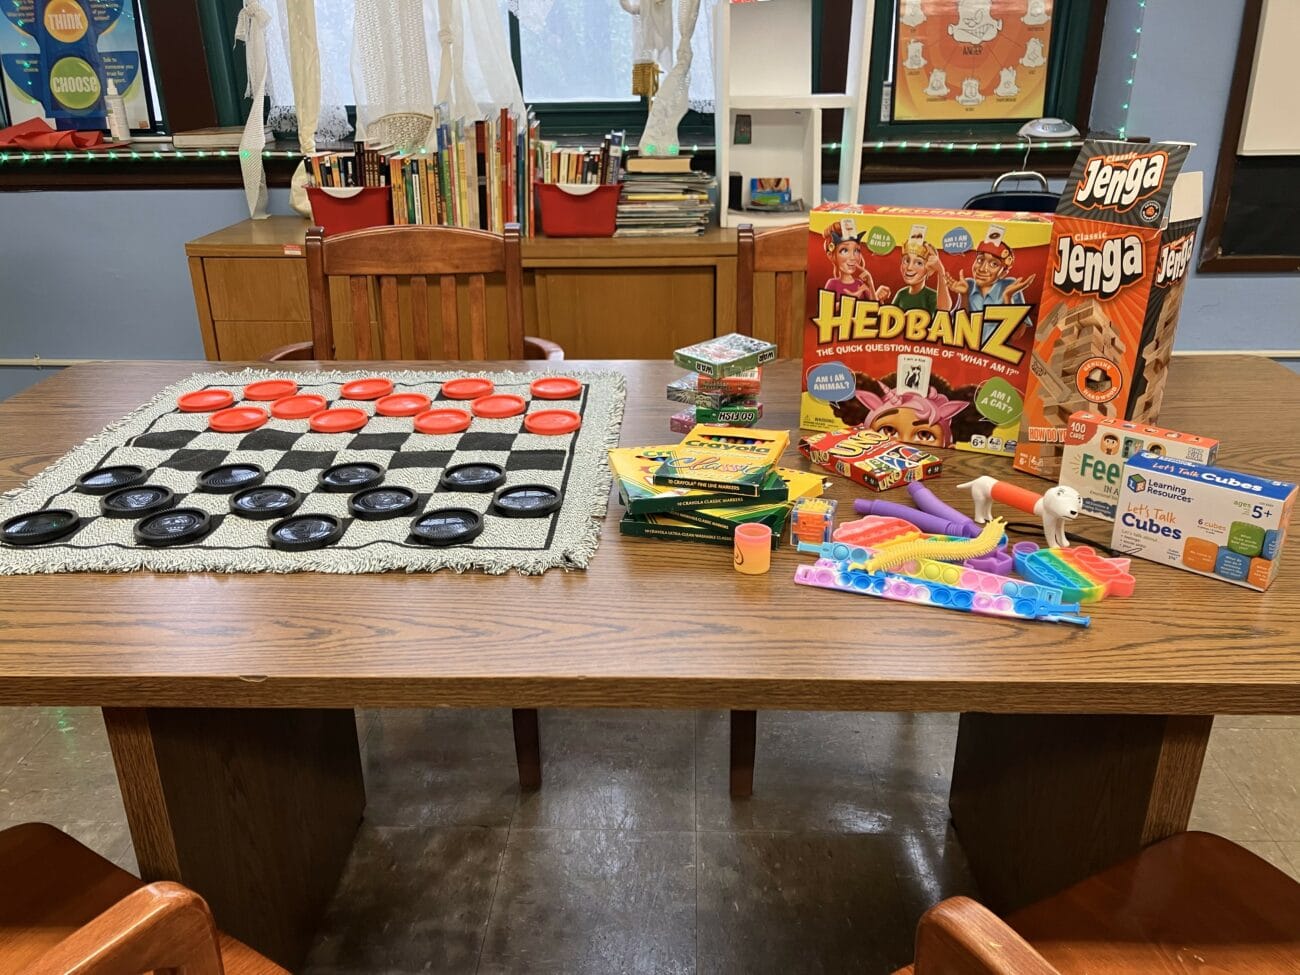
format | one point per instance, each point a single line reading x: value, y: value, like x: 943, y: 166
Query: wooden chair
x: 65, y: 910
x: 1193, y: 902
x: 782, y: 252
x: 375, y: 260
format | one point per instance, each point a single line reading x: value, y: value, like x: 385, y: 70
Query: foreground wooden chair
x: 373, y: 261
x: 1192, y: 903
x: 783, y: 253
x: 65, y: 910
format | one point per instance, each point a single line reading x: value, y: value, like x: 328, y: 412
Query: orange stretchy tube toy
x: 1014, y: 496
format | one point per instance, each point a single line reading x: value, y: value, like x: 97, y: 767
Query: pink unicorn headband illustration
x: 911, y: 417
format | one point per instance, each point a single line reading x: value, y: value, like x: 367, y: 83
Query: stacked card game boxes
x: 1121, y: 244
x: 722, y: 386
x: 699, y: 490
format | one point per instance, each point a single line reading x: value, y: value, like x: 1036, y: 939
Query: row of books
x: 471, y: 174
x: 568, y: 165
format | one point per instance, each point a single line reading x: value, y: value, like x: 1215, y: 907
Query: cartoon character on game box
x: 920, y: 261
x: 843, y: 244
x: 911, y: 417
x: 990, y: 283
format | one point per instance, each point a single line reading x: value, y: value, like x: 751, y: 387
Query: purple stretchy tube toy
x: 927, y: 501
x: 926, y: 522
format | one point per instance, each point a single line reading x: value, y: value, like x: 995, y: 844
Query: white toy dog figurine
x: 1055, y: 506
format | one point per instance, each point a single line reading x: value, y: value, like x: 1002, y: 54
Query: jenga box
x: 1121, y: 244
x: 919, y: 322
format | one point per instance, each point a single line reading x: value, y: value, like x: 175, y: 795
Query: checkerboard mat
x: 175, y: 448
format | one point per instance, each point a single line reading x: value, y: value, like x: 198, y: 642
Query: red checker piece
x: 270, y: 389
x: 204, y: 400
x: 553, y: 422
x: 371, y: 388
x: 555, y: 387
x: 339, y: 420
x: 498, y: 407
x: 467, y: 388
x: 298, y: 407
x: 442, y: 421
x: 238, y: 419
x: 402, y: 404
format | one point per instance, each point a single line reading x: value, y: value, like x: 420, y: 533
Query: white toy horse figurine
x: 1055, y: 506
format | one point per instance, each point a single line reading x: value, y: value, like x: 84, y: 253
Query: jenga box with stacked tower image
x: 1122, y: 243
x: 920, y: 321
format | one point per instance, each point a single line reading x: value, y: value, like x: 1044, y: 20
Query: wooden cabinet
x: 599, y: 298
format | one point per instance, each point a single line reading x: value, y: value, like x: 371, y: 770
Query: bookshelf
x: 763, y: 68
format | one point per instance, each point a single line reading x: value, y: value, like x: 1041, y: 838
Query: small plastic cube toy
x: 812, y: 520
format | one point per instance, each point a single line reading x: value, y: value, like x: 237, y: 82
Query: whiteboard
x: 1272, y: 124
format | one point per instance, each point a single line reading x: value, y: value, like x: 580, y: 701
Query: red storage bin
x: 578, y: 209
x: 340, y: 209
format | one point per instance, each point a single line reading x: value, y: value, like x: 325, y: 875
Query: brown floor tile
x: 1220, y: 808
x: 1273, y: 853
x: 910, y: 757
x: 601, y: 769
x: 806, y: 903
x: 1291, y: 850
x: 68, y: 776
x: 21, y: 729
x: 411, y: 900
x: 810, y: 773
x: 593, y: 901
x: 1257, y: 721
x: 440, y: 768
x: 1264, y: 765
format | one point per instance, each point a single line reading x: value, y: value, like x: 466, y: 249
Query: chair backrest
x: 783, y: 253
x: 375, y: 262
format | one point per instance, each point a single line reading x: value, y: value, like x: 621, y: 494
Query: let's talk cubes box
x: 1097, y: 446
x: 1208, y: 520
x: 920, y: 322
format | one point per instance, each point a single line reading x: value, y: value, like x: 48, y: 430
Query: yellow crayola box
x: 732, y: 460
x: 1122, y: 241
x: 919, y: 322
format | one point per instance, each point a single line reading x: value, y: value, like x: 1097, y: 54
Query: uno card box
x: 1208, y: 520
x: 1122, y: 241
x: 1097, y: 446
x: 919, y: 322
x: 873, y: 459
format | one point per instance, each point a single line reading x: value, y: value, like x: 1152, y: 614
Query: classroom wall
x: 103, y: 274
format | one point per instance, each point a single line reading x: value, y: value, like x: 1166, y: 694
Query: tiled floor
x: 632, y: 858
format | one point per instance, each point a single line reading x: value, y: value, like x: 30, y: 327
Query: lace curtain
x: 334, y: 41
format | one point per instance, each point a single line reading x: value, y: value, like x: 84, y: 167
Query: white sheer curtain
x: 334, y: 41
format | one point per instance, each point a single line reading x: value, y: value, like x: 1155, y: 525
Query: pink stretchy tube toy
x: 926, y: 522
x: 929, y: 502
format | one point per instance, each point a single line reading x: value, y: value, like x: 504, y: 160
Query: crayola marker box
x: 919, y: 322
x: 1122, y: 241
x: 1208, y: 520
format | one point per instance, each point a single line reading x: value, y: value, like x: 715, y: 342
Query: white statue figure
x: 666, y: 111
x: 970, y: 92
x: 915, y: 57
x: 1033, y: 54
x: 1036, y: 14
x: 652, y: 42
x: 1055, y: 506
x: 975, y: 23
x: 1007, y: 87
x: 938, y: 86
x: 912, y: 15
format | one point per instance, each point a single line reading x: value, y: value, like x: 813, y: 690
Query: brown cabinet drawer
x: 257, y: 289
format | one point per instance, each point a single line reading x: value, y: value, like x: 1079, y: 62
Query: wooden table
x: 229, y: 699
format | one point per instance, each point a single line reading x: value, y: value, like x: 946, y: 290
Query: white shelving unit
x: 762, y: 60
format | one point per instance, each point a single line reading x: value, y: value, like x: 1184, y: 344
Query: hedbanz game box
x: 919, y: 322
x: 1122, y: 240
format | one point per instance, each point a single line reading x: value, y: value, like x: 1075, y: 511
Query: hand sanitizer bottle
x: 119, y: 129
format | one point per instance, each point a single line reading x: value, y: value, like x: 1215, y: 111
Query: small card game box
x: 919, y: 322
x: 869, y: 457
x: 733, y: 460
x: 1207, y: 520
x: 740, y: 412
x: 1122, y: 242
x: 696, y: 390
x: 726, y: 355
x: 1097, y: 446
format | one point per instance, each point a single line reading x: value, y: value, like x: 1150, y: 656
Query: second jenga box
x: 1122, y: 241
x: 919, y: 322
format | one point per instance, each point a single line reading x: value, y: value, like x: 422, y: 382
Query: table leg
x: 255, y: 810
x: 528, y: 748
x: 1042, y: 801
x: 744, y: 734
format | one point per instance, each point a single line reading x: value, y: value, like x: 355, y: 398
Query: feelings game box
x: 919, y: 322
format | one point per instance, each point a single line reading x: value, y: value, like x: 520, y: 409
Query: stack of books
x: 472, y: 174
x: 677, y: 492
x: 603, y: 165
x: 662, y: 196
x: 723, y: 383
